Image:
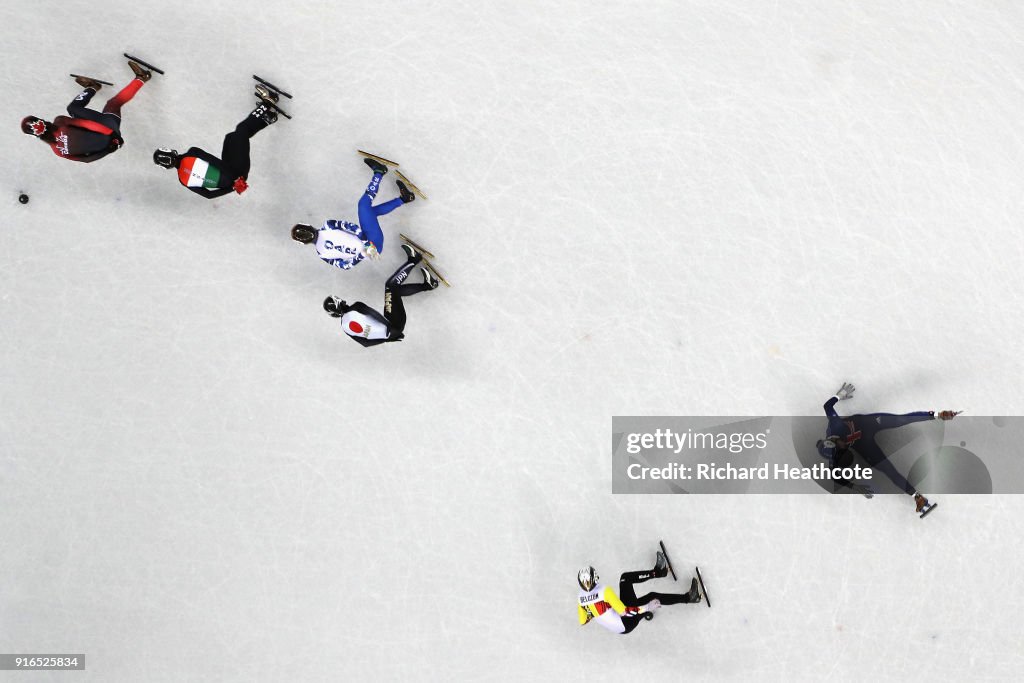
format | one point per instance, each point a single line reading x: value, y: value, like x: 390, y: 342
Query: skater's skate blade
x: 668, y: 560
x: 408, y: 240
x: 416, y: 191
x: 272, y: 86
x: 432, y: 269
x: 143, y: 63
x: 274, y: 106
x: 382, y: 160
x: 703, y: 590
x: 91, y: 79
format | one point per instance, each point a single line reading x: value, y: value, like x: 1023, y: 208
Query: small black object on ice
x: 23, y: 198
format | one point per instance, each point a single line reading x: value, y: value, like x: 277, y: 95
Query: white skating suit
x: 341, y: 244
x: 604, y: 605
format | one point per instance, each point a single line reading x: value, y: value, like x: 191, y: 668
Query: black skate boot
x: 265, y: 113
x: 140, y: 73
x: 661, y: 565
x: 403, y: 189
x: 87, y: 82
x: 266, y: 94
x: 412, y: 254
x: 694, y: 594
x: 376, y: 166
x: 429, y: 280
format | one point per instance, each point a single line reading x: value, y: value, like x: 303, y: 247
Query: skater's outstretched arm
x: 844, y: 392
x: 830, y: 407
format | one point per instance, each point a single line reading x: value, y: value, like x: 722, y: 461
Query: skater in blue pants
x: 846, y: 437
x: 343, y: 244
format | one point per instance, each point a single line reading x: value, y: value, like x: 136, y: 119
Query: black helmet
x: 168, y: 158
x: 334, y: 306
x: 304, y: 233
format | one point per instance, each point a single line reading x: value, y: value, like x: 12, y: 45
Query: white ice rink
x: 660, y: 208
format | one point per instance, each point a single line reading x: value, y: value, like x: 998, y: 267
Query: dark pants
x: 869, y: 426
x: 628, y: 596
x: 111, y: 114
x: 235, y: 153
x: 394, y: 289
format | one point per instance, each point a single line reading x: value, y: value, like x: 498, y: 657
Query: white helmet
x: 588, y: 578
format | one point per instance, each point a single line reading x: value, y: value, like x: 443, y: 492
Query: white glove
x: 652, y: 605
x: 371, y: 252
x: 846, y: 391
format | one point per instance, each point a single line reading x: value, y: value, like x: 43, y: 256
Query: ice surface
x: 669, y: 208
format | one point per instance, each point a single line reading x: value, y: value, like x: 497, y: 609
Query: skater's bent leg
x: 394, y: 311
x: 402, y: 274
x: 388, y: 207
x: 250, y: 125
x: 874, y: 456
x: 367, y: 214
x: 78, y: 106
x: 890, y: 421
x: 626, y: 591
x: 113, y: 105
x: 409, y: 290
x: 371, y: 190
x: 235, y: 153
x: 630, y: 623
x: 394, y: 308
x: 664, y: 598
x: 371, y: 228
x: 80, y: 111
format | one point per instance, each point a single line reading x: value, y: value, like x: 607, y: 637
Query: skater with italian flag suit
x: 210, y: 177
x: 623, y: 612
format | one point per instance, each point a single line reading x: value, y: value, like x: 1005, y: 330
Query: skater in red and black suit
x: 87, y: 135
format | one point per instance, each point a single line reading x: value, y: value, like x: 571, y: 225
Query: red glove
x: 240, y: 185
